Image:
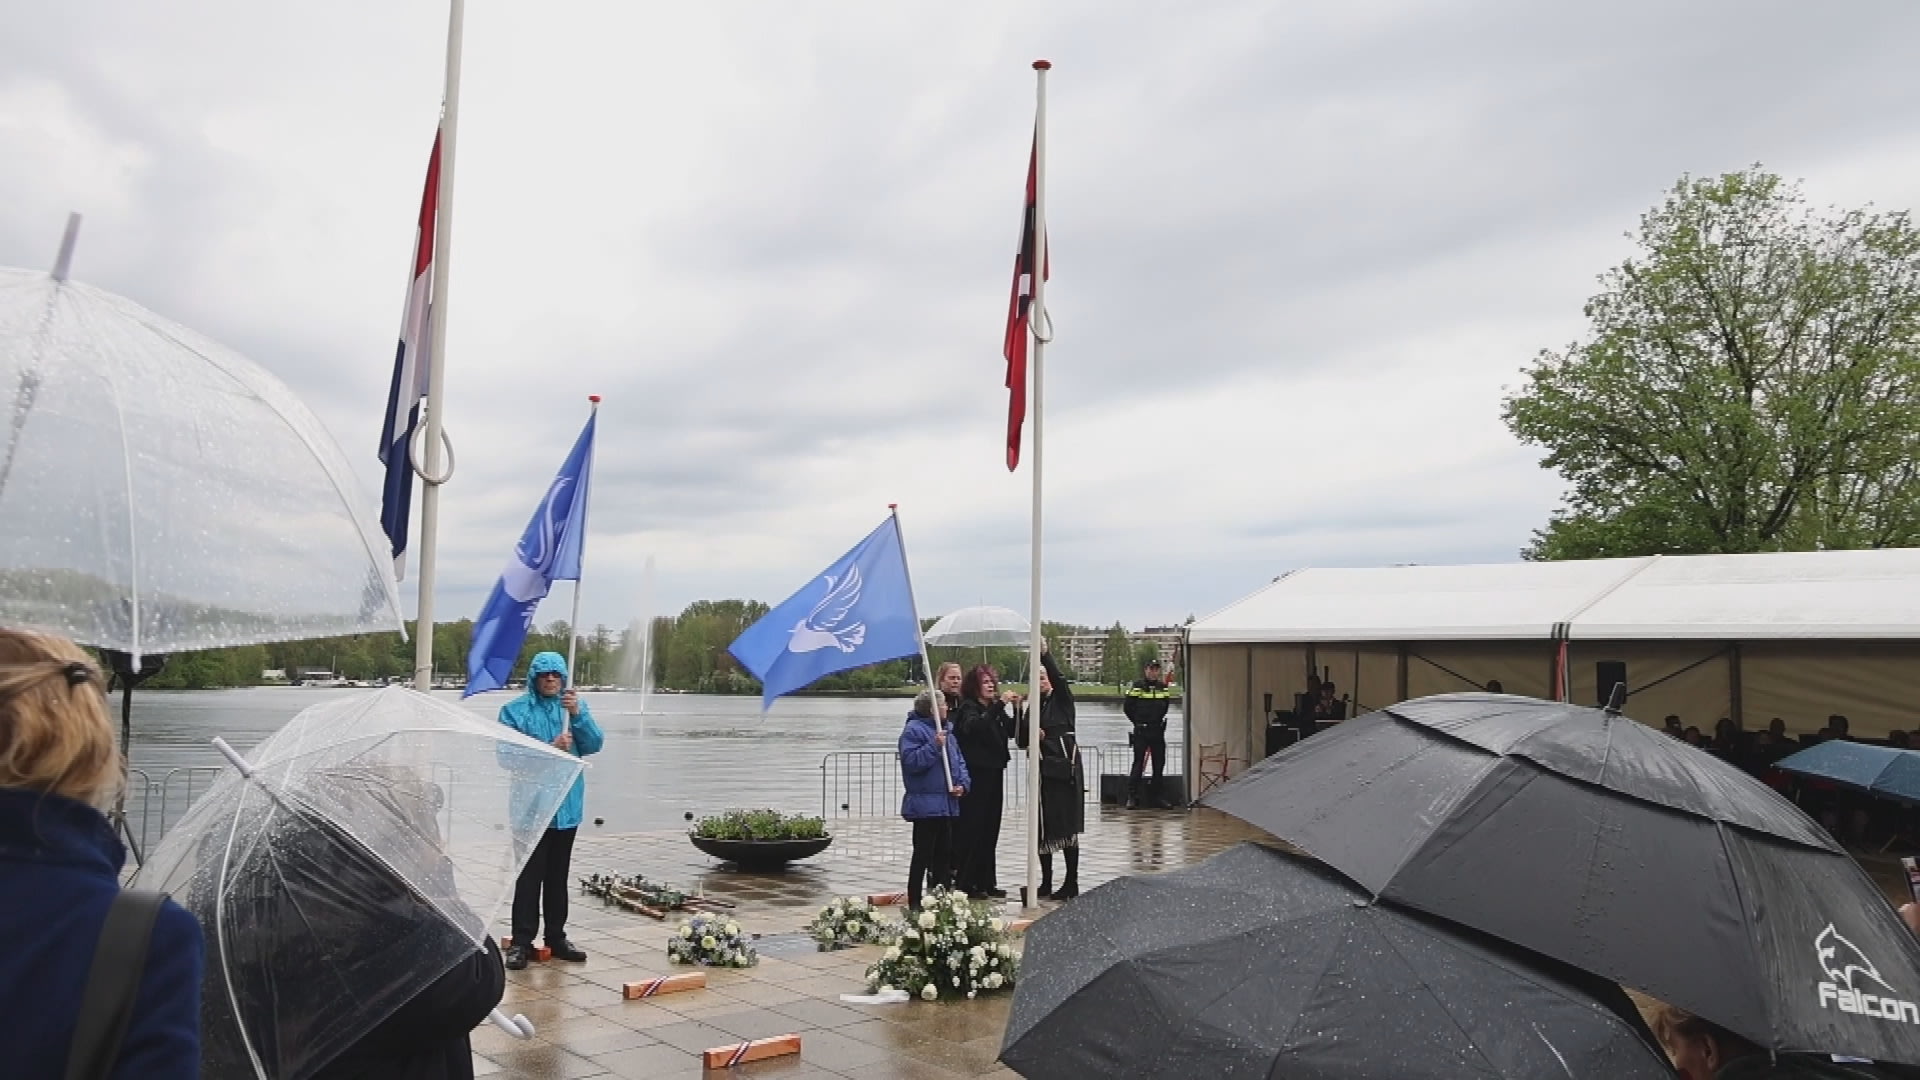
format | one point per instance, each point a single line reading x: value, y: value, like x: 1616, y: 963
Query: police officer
x: 1146, y: 706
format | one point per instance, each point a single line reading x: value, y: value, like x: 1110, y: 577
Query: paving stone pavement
x: 586, y: 1030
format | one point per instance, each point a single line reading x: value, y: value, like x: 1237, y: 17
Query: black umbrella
x: 1259, y: 964
x: 1583, y: 835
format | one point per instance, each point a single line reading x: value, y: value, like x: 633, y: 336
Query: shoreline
x: 1081, y: 691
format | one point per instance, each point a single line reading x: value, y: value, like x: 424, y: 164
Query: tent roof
x: 1415, y: 603
x: 1834, y: 594
x: 1800, y: 594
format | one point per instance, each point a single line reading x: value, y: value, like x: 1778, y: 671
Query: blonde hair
x: 54, y: 732
x: 1674, y: 1026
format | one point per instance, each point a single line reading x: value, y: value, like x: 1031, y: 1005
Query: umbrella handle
x: 519, y: 1026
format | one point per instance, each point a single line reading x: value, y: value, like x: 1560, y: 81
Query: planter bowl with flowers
x: 760, y: 839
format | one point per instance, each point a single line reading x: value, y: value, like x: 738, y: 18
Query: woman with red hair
x: 981, y: 725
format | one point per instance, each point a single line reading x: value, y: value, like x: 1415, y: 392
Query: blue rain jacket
x: 543, y: 718
x: 923, y: 777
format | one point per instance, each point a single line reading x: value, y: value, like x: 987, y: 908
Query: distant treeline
x: 688, y: 653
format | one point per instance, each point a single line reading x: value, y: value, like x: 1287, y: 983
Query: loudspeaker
x: 1608, y: 674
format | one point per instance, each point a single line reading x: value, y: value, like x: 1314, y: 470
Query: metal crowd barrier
x: 866, y: 783
x: 154, y: 806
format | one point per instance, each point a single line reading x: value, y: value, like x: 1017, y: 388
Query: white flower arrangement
x: 849, y: 920
x: 712, y: 941
x: 957, y: 951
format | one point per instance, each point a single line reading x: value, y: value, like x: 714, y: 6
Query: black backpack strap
x: 106, y: 1006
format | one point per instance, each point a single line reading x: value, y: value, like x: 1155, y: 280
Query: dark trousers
x: 1144, y: 746
x: 977, y: 833
x: 544, y: 877
x: 932, y: 857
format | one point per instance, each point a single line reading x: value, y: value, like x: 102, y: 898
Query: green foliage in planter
x: 759, y: 825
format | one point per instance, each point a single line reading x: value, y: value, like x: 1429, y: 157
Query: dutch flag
x: 409, y: 376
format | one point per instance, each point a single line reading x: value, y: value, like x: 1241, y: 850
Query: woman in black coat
x: 981, y: 725
x: 428, y: 1038
x: 1063, y: 808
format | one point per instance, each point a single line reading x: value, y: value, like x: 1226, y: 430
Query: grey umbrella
x: 1603, y: 843
x: 1260, y: 964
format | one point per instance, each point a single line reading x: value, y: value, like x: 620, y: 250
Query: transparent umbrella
x: 978, y: 627
x: 358, y: 856
x: 161, y: 493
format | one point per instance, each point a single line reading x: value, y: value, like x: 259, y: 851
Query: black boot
x: 516, y: 957
x: 1046, y: 877
x: 1070, y: 887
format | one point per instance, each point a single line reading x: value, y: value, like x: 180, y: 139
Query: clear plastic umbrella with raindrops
x: 352, y: 859
x: 161, y: 493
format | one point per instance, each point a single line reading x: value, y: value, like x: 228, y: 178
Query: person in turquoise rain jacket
x: 552, y: 712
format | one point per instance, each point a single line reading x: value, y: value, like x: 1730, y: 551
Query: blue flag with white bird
x: 858, y: 611
x: 549, y: 551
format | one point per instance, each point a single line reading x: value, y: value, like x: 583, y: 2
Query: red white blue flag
x: 410, y: 370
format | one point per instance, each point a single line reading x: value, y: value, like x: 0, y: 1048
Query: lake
x: 686, y: 754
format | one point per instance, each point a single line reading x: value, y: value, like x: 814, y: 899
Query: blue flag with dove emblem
x: 859, y: 611
x: 549, y: 551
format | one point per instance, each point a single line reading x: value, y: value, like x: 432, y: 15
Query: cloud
x: 1299, y: 250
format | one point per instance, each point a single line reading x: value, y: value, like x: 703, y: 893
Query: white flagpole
x: 573, y: 623
x: 1036, y: 314
x: 933, y: 684
x: 432, y: 476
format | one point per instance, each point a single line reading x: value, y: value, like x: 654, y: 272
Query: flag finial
x: 595, y: 398
x: 1042, y: 65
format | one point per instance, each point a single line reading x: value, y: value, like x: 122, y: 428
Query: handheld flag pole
x: 933, y: 683
x: 580, y: 563
x: 1041, y: 327
x: 431, y: 474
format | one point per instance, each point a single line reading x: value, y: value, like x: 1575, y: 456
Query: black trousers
x: 977, y: 833
x: 932, y: 857
x: 544, y: 878
x: 1145, y: 746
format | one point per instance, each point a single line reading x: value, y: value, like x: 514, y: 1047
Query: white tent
x: 1798, y: 635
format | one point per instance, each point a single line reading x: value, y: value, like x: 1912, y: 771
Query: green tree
x: 1751, y: 382
x: 1116, y: 661
x: 1143, y: 654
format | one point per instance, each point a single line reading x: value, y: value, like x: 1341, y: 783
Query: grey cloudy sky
x: 1298, y: 251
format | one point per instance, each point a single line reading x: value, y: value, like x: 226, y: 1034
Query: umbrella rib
x: 1746, y: 930
x: 133, y: 537
x: 220, y: 934
x: 1427, y: 990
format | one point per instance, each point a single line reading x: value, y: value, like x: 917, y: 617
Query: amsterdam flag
x: 1019, y: 310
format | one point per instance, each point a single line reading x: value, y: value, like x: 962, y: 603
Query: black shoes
x: 516, y: 957
x: 1133, y: 803
x: 997, y: 894
x: 566, y: 950
x: 1068, y: 890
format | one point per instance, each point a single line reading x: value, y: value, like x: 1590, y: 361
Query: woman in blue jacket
x: 931, y: 802
x: 60, y: 872
x: 553, y: 713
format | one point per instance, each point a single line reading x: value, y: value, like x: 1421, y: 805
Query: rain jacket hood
x: 545, y: 663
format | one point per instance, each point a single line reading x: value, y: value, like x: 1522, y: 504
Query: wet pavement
x: 586, y: 1030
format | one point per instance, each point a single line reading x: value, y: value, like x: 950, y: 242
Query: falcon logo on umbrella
x: 1843, y: 962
